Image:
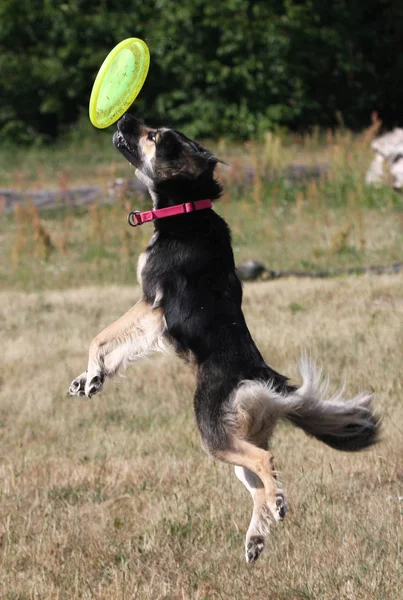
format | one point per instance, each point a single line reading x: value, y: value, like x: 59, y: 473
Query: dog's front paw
x: 77, y: 386
x: 94, y: 384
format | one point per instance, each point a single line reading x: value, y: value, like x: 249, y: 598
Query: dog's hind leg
x: 260, y: 522
x: 239, y: 435
x: 260, y: 462
x: 136, y: 334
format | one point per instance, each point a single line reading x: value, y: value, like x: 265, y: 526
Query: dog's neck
x: 173, y: 192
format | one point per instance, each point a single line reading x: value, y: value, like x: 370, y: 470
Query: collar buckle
x: 192, y: 207
x: 134, y: 218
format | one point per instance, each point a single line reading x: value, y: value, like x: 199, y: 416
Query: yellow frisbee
x: 119, y: 81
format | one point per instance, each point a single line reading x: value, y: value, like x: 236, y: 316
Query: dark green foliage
x: 235, y: 68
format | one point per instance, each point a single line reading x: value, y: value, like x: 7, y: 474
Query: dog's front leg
x: 136, y: 334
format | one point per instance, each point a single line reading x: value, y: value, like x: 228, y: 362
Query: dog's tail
x: 349, y: 425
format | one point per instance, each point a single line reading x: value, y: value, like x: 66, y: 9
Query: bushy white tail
x: 342, y: 424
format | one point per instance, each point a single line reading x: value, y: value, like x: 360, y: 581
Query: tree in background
x: 235, y: 68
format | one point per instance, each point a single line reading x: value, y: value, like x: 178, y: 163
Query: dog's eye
x: 152, y: 136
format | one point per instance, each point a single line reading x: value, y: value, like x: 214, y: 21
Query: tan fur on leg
x: 260, y: 462
x: 138, y: 333
x: 260, y: 522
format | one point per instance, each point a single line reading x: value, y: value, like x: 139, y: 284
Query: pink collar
x: 138, y: 218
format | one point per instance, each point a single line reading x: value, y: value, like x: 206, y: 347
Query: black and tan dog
x: 192, y: 302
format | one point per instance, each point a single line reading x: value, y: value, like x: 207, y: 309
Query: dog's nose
x: 128, y: 124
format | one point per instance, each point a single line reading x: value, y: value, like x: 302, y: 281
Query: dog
x: 191, y: 301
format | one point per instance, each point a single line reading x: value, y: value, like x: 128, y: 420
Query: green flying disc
x: 119, y: 81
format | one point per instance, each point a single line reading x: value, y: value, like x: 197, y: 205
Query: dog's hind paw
x: 281, y: 507
x: 77, y: 386
x: 254, y: 548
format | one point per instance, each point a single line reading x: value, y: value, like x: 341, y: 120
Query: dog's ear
x: 202, y: 160
x: 190, y: 166
x: 207, y: 153
x: 179, y: 157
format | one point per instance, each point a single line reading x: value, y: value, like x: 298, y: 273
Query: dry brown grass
x: 112, y: 498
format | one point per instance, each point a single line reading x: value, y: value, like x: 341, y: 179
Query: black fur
x: 190, y: 260
x: 190, y: 264
x: 351, y: 438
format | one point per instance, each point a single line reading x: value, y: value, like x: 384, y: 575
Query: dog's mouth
x: 129, y: 152
x: 120, y: 142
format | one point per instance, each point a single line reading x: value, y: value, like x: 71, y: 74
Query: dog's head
x: 164, y: 158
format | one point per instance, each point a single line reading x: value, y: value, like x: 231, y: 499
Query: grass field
x: 113, y: 498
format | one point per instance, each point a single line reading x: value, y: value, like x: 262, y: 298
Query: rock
x: 52, y: 198
x: 251, y: 270
x: 387, y: 165
x: 78, y: 196
x: 121, y: 188
x: 293, y: 174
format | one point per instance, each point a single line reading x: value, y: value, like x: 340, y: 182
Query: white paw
x: 281, y: 507
x: 94, y: 384
x: 86, y: 386
x: 78, y: 384
x: 254, y: 548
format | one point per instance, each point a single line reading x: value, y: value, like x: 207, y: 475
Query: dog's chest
x: 141, y: 263
x: 143, y: 258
